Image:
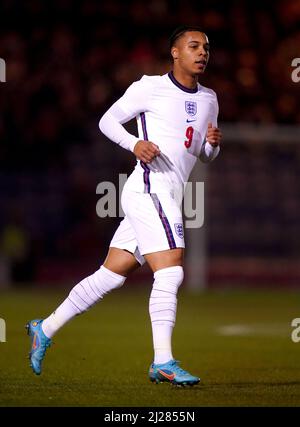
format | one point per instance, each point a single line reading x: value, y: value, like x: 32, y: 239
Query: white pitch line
x: 254, y: 329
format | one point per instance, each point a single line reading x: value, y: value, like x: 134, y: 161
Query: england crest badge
x: 191, y: 108
x: 179, y: 230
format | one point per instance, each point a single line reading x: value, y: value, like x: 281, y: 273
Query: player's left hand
x: 213, y: 135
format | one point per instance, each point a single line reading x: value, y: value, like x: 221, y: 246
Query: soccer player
x: 177, y: 124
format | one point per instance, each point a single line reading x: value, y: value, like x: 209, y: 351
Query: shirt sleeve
x: 136, y: 98
x: 208, y: 153
x: 133, y: 102
x: 215, y: 112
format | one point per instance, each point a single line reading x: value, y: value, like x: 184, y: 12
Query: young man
x: 177, y: 124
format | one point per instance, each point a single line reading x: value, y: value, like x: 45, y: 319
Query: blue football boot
x: 171, y: 372
x: 39, y: 344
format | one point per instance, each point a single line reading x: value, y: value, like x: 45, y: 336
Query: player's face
x: 192, y: 52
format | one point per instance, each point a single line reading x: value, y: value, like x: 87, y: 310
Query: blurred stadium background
x: 67, y: 62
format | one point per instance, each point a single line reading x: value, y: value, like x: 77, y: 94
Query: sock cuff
x: 112, y: 274
x: 167, y: 270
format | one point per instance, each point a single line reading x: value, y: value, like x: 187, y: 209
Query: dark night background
x: 68, y: 61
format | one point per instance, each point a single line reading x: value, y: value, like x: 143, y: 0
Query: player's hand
x: 213, y: 135
x: 146, y: 151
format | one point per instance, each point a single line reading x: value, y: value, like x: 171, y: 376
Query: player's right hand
x: 146, y: 151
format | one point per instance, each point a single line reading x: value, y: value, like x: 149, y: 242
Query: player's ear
x: 174, y: 53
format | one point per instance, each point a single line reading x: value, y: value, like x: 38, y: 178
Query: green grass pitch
x: 238, y: 342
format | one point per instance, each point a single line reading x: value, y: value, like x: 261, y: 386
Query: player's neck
x: 190, y: 82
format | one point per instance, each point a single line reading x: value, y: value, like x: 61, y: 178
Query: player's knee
x: 170, y: 276
x: 93, y: 288
x: 106, y: 280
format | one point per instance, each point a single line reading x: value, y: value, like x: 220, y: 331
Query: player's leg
x: 168, y: 276
x: 111, y: 275
x: 164, y: 259
x: 167, y: 267
x: 121, y: 261
x: 157, y: 222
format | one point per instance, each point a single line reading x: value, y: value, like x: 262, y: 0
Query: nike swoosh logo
x: 34, y: 343
x: 189, y: 121
x: 164, y: 374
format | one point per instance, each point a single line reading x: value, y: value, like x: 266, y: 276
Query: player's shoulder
x: 207, y: 91
x: 151, y: 81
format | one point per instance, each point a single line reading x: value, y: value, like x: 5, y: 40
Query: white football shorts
x: 152, y: 223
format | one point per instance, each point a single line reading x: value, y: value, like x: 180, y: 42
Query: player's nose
x: 202, y: 52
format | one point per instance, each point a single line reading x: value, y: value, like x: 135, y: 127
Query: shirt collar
x: 180, y: 86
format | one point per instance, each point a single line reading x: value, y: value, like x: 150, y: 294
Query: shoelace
x: 177, y: 369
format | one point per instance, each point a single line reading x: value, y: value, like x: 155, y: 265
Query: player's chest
x: 180, y: 110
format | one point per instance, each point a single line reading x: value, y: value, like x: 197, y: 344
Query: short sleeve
x: 136, y: 98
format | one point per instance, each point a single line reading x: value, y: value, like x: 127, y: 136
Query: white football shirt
x: 176, y: 119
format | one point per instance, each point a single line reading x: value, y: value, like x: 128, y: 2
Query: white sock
x: 162, y: 309
x: 83, y: 296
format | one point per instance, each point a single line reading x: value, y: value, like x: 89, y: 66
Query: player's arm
x: 146, y: 151
x: 111, y: 125
x: 211, y: 145
x: 126, y: 108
